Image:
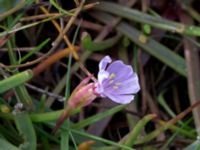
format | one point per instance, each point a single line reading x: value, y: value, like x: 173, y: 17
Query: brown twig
x: 180, y: 116
x: 52, y: 59
x: 54, y: 44
x: 39, y: 90
x: 60, y: 31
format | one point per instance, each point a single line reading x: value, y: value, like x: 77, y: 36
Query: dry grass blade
x: 193, y: 71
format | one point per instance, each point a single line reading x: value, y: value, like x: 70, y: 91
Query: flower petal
x: 120, y: 70
x: 104, y: 62
x: 102, y: 75
x: 129, y: 86
x: 99, y: 89
x: 122, y: 99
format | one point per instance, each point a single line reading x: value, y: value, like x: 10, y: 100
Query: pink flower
x: 116, y: 81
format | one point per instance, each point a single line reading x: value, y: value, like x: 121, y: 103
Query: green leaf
x: 96, y: 138
x: 88, y: 44
x: 156, y: 49
x: 5, y: 145
x: 15, y: 80
x: 64, y: 143
x: 133, y: 135
x: 34, y: 50
x: 25, y: 128
x: 21, y: 91
x: 149, y: 45
x: 144, y: 18
x: 95, y: 118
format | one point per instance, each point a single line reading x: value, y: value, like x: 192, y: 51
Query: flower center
x: 116, y: 85
x: 112, y: 75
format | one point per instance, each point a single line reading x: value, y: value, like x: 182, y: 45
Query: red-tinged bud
x: 83, y: 96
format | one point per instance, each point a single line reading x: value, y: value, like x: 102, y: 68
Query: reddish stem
x: 52, y: 59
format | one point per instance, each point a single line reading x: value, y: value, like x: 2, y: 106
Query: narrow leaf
x: 15, y: 80
x: 148, y: 44
x: 25, y: 128
x: 144, y: 18
x: 5, y: 145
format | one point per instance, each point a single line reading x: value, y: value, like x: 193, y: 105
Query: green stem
x: 39, y: 117
x: 132, y: 136
x: 95, y: 118
x: 101, y: 139
x: 21, y: 90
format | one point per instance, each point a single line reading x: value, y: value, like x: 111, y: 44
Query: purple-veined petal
x: 122, y: 99
x: 129, y: 86
x: 104, y: 62
x: 120, y: 70
x: 117, y: 70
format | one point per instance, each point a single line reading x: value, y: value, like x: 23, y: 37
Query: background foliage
x: 48, y: 47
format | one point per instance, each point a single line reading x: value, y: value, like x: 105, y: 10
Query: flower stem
x: 66, y: 113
